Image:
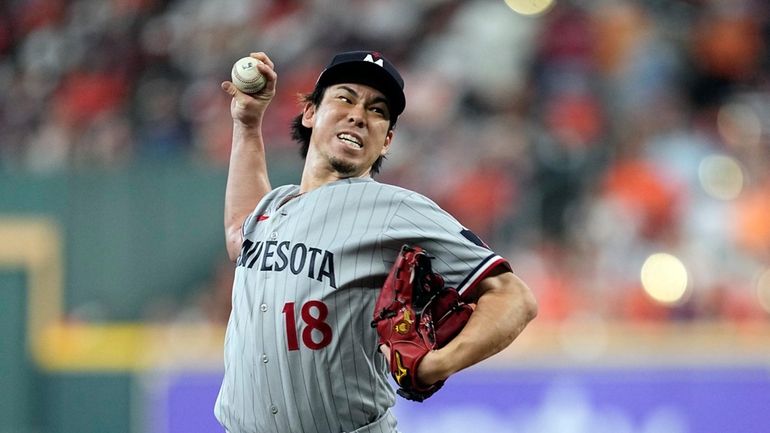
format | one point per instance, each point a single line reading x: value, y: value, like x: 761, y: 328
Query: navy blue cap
x: 371, y: 69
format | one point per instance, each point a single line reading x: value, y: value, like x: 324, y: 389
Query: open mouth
x: 352, y: 139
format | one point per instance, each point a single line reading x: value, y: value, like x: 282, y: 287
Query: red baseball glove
x: 415, y: 313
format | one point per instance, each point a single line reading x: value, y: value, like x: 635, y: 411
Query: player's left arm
x: 505, y: 305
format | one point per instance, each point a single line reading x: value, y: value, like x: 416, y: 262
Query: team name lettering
x: 299, y: 259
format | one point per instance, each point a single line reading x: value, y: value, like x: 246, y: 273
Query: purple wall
x: 596, y: 400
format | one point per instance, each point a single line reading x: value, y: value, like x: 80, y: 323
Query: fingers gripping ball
x: 246, y: 76
x: 415, y: 314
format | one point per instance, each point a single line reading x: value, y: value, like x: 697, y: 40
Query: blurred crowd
x: 577, y: 143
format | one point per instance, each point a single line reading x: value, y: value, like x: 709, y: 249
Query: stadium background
x: 618, y: 152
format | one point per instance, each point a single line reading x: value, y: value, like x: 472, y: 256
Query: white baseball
x: 246, y: 76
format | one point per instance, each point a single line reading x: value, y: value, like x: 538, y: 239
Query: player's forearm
x: 247, y: 182
x: 502, y: 313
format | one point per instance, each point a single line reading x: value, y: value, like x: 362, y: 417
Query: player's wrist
x: 432, y: 368
x: 248, y: 123
x: 247, y: 133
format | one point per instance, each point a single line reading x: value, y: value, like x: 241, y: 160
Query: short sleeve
x: 459, y: 255
x: 266, y: 206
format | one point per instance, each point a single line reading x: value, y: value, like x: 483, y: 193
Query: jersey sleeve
x: 459, y: 255
x: 265, y: 206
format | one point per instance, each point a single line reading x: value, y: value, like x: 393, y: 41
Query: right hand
x: 246, y: 109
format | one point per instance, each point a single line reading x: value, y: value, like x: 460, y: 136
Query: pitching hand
x: 249, y: 109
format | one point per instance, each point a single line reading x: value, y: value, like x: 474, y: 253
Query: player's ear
x: 308, y: 115
x: 388, y: 140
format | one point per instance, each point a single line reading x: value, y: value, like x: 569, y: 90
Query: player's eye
x: 379, y: 110
x: 344, y: 98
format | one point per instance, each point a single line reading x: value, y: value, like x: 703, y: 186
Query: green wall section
x: 33, y: 401
x: 132, y: 237
x: 18, y: 378
x: 88, y: 403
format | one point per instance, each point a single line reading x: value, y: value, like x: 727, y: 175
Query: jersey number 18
x: 312, y: 322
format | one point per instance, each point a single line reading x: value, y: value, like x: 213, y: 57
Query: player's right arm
x: 505, y: 305
x: 247, y: 179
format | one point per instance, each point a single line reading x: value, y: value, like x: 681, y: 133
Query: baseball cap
x: 369, y: 68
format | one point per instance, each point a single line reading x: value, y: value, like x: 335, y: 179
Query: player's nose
x: 357, y: 115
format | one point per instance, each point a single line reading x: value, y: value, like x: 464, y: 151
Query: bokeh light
x: 763, y: 290
x: 721, y: 177
x: 530, y: 7
x: 664, y: 278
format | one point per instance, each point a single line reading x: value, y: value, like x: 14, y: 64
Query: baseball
x: 246, y: 76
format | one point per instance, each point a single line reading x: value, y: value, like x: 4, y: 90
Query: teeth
x: 351, y: 139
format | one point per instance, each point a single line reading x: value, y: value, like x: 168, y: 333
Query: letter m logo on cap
x: 371, y: 58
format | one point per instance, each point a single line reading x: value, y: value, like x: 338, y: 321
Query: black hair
x: 301, y: 134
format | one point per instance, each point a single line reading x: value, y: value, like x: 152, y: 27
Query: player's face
x: 350, y: 129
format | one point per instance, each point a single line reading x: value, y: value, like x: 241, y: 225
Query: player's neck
x: 314, y: 177
x: 309, y: 183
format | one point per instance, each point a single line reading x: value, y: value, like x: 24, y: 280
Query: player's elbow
x: 527, y: 304
x: 523, y: 301
x: 530, y: 307
x: 512, y: 295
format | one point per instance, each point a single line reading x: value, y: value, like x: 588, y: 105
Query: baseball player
x: 300, y: 352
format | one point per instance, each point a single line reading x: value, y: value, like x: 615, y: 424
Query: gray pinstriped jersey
x: 300, y: 355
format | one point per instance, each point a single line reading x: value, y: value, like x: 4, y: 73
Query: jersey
x: 300, y: 353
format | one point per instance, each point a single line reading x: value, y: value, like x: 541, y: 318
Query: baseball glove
x: 415, y: 314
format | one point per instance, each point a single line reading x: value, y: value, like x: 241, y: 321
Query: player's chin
x: 344, y: 166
